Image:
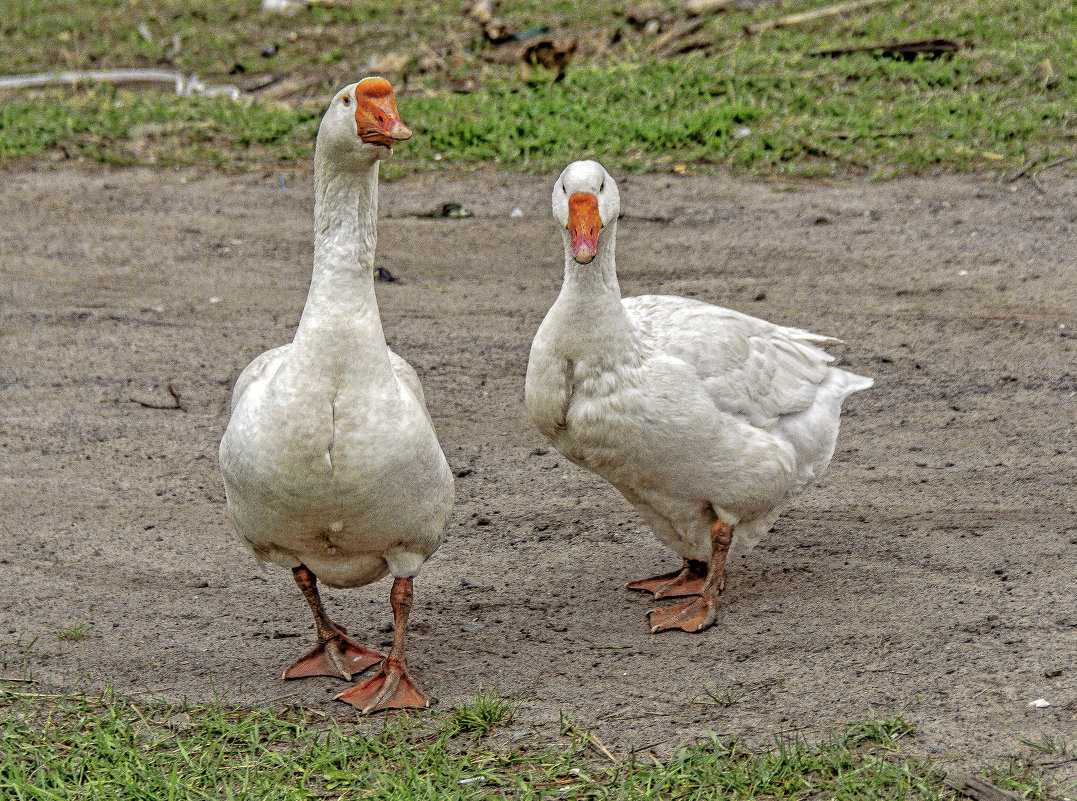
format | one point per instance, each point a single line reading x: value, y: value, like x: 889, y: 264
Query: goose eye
x: 602, y: 185
x: 564, y: 189
x: 346, y: 100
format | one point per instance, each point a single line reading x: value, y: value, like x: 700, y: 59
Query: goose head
x: 362, y: 121
x: 585, y: 201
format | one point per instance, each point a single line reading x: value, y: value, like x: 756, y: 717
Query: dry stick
x: 817, y: 150
x: 105, y: 76
x: 808, y: 16
x: 977, y: 788
x: 176, y: 404
x: 1027, y: 166
x: 598, y: 744
x: 1036, y: 175
x: 184, y: 86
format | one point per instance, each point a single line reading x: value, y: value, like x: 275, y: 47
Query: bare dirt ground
x: 931, y: 573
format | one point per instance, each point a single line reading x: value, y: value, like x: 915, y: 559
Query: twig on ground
x: 867, y: 135
x: 1036, y: 174
x: 176, y: 403
x: 808, y: 16
x: 184, y: 86
x: 977, y: 788
x: 819, y: 150
x: 908, y: 50
x: 677, y: 31
x: 1024, y: 169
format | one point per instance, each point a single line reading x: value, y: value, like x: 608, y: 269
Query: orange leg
x: 701, y: 612
x: 391, y: 687
x: 336, y: 654
x: 686, y: 581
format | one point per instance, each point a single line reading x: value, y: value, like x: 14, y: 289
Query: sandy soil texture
x: 932, y: 572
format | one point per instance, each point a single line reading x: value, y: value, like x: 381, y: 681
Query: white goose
x: 331, y: 465
x: 708, y: 421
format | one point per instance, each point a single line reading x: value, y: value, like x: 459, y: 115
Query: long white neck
x: 589, y: 307
x: 340, y: 326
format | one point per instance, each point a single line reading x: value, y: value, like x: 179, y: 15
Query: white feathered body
x: 330, y: 459
x: 693, y: 412
x: 336, y: 476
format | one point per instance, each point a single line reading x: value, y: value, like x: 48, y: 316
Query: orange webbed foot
x: 390, y: 688
x: 340, y: 656
x: 696, y: 615
x: 688, y: 580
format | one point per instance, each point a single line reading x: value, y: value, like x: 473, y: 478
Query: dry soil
x: 930, y: 573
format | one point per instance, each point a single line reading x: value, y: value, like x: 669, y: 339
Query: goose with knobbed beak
x: 331, y: 465
x: 708, y: 421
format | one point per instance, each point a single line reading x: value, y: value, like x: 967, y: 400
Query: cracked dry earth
x: 930, y: 573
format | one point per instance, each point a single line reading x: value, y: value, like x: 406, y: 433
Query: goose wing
x: 751, y: 368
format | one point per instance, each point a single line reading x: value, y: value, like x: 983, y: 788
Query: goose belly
x: 669, y: 441
x: 350, y: 497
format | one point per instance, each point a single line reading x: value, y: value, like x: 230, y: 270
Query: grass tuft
x: 74, y: 632
x: 480, y: 716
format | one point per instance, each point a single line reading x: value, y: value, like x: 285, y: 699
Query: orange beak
x: 584, y: 225
x: 376, y: 118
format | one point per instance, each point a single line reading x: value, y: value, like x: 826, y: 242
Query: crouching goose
x: 331, y: 464
x: 708, y: 421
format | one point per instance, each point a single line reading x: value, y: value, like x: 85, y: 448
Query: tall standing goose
x: 331, y: 464
x: 708, y: 421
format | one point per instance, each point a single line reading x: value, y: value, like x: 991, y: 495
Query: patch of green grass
x: 124, y: 127
x: 760, y: 104
x: 74, y: 632
x: 480, y: 716
x: 68, y: 746
x: 211, y: 39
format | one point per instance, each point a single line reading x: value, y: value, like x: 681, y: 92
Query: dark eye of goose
x: 346, y: 100
x: 564, y: 189
x: 602, y: 185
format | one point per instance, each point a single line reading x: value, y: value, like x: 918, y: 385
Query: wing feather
x: 751, y: 368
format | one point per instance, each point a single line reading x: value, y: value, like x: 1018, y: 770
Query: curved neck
x: 589, y: 306
x: 340, y: 321
x: 599, y: 278
x: 345, y: 216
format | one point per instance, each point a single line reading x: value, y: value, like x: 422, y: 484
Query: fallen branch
x: 1021, y: 172
x: 676, y: 31
x: 909, y: 51
x: 105, y: 76
x: 176, y: 404
x: 808, y: 16
x: 183, y: 86
x: 977, y: 788
x: 1036, y: 174
x: 866, y: 134
x: 818, y: 150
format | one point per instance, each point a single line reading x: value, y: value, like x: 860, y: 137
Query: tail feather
x: 856, y: 383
